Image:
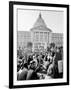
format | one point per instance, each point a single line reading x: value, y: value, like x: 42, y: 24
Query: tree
x: 29, y: 44
x: 52, y: 45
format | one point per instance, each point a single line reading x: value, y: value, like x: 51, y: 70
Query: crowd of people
x: 40, y: 65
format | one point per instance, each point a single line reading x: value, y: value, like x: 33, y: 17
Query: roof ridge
x: 40, y: 24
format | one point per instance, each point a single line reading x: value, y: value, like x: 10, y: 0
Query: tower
x: 41, y: 34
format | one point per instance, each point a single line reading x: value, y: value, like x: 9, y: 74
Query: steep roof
x: 40, y: 24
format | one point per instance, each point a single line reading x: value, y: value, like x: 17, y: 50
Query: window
x: 45, y: 36
x: 41, y: 36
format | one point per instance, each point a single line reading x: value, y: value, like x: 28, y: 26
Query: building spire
x: 40, y: 24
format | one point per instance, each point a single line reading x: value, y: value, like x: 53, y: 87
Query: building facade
x: 23, y: 38
x: 57, y: 38
x: 40, y: 36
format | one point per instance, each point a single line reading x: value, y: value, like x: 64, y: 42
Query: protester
x: 32, y: 75
x: 40, y: 65
x: 22, y: 74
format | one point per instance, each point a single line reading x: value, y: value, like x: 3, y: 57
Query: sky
x: 53, y: 19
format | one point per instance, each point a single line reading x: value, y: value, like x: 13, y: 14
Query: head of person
x: 41, y: 67
x: 33, y: 64
x: 34, y: 57
x: 57, y: 50
x: 25, y: 65
x: 49, y: 54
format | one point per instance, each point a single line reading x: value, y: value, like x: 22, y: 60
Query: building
x: 57, y: 38
x: 40, y: 36
x: 23, y: 38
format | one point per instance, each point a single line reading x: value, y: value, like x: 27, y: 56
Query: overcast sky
x: 53, y: 19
